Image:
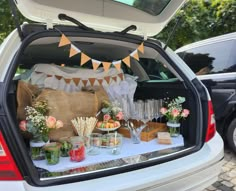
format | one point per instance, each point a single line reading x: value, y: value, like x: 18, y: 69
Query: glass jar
x: 52, y: 152
x: 77, y: 153
x: 173, y: 128
x: 95, y: 143
x: 36, y: 149
x: 115, y: 143
x: 66, y: 146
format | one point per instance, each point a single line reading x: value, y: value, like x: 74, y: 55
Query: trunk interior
x: 150, y: 78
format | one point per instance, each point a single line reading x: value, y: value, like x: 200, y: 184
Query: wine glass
x: 157, y: 106
x: 160, y: 104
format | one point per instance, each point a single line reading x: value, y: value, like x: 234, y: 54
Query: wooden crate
x: 148, y: 133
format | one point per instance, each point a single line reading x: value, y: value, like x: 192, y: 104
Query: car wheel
x: 231, y: 135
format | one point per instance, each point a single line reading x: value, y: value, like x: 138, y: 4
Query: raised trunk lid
x: 150, y: 16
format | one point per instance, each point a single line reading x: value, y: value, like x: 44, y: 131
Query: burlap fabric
x: 66, y: 106
x: 25, y: 94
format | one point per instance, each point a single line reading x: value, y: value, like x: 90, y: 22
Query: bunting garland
x: 100, y: 81
x: 126, y: 60
x: 106, y: 66
x: 74, y: 50
x: 96, y: 63
x: 86, y: 82
x: 64, y: 41
x: 84, y: 58
x: 117, y: 64
x: 76, y: 81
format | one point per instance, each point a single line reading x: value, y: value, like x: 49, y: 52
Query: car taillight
x: 8, y: 168
x: 211, y: 127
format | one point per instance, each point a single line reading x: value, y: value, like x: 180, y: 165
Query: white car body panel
x: 104, y: 15
x: 193, y: 172
x: 8, y: 49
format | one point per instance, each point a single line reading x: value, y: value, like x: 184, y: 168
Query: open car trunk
x: 154, y: 76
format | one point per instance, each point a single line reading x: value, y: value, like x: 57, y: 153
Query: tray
x: 108, y: 129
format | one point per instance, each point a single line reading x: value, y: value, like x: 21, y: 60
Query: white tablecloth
x: 128, y: 149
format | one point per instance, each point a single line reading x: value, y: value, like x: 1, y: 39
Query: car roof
x: 229, y: 36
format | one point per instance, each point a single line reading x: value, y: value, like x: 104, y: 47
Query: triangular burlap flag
x: 76, y: 81
x: 121, y: 76
x: 114, y: 78
x: 107, y: 78
x: 100, y: 81
x: 64, y: 41
x: 117, y: 64
x: 67, y: 80
x: 141, y: 48
x: 92, y: 80
x: 74, y: 50
x: 85, y: 82
x: 84, y: 58
x: 134, y: 54
x: 58, y: 77
x: 106, y: 66
x: 126, y: 60
x: 96, y: 64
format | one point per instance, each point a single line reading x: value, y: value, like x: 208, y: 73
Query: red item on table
x: 77, y: 154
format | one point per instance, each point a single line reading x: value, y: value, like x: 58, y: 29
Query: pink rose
x: 175, y: 112
x: 59, y: 124
x: 163, y: 110
x: 119, y: 116
x: 23, y: 125
x: 106, y: 117
x: 185, y: 113
x: 51, y: 122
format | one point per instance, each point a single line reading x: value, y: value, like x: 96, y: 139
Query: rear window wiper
x: 79, y: 24
x: 129, y: 28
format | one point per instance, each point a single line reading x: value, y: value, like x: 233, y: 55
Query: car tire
x: 231, y: 135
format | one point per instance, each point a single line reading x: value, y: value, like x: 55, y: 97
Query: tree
x: 7, y: 23
x: 201, y: 19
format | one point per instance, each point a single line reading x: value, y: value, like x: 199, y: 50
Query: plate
x: 108, y: 129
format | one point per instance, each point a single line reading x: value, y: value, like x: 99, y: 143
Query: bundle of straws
x: 83, y: 126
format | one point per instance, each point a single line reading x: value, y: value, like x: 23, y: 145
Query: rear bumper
x: 191, y: 173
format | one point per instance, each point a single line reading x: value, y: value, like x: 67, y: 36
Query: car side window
x: 211, y: 59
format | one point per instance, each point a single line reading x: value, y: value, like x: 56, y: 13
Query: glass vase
x: 52, y: 152
x: 66, y: 146
x: 36, y: 148
x: 173, y: 128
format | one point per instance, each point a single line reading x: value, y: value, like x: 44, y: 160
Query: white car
x: 113, y: 32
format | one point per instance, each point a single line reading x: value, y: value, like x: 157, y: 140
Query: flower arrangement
x: 37, y: 123
x: 112, y: 111
x: 174, y: 111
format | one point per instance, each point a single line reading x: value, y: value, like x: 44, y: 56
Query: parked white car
x: 193, y: 159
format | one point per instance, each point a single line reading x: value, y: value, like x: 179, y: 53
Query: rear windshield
x: 152, y: 7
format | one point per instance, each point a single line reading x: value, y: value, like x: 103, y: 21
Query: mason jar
x: 78, y: 151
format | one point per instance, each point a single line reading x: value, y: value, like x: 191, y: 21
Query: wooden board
x: 149, y: 133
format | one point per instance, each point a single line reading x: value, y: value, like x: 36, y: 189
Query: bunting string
x: 74, y: 50
x: 89, y: 81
